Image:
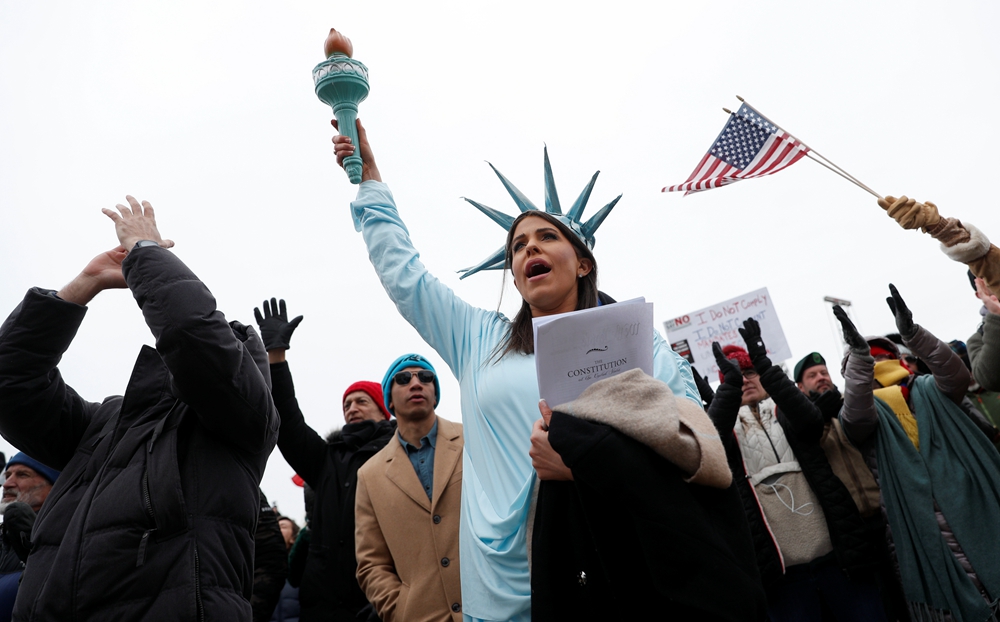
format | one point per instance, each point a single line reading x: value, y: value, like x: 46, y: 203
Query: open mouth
x: 536, y: 267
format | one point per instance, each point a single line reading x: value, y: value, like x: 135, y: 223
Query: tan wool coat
x: 407, y: 545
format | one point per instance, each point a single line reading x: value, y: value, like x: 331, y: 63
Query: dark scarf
x: 356, y: 435
x: 957, y: 469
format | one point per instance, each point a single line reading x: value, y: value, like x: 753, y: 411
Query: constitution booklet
x: 576, y: 349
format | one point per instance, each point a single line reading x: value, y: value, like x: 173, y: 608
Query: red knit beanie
x: 738, y: 354
x: 373, y: 389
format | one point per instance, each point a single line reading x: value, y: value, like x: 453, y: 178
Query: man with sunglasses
x: 329, y: 589
x: 408, y: 504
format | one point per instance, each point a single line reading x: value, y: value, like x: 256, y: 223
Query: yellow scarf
x: 888, y: 374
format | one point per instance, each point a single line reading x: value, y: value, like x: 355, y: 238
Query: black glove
x: 853, y: 338
x: 731, y: 373
x: 755, y: 345
x: 18, y: 519
x: 904, y: 317
x: 275, y: 329
x: 704, y: 389
x: 828, y: 402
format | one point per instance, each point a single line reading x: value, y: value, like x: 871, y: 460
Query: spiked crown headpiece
x: 572, y: 219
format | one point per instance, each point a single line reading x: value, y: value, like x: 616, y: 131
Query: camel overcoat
x: 407, y: 545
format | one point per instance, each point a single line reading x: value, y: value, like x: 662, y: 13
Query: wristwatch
x: 144, y: 243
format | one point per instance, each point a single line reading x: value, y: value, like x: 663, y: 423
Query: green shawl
x: 957, y: 468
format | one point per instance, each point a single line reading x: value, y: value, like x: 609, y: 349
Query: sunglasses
x: 403, y: 378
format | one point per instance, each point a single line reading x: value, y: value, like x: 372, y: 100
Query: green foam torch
x: 342, y: 83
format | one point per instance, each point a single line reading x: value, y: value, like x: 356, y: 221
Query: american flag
x: 749, y: 146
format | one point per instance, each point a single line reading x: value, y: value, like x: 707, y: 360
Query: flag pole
x: 842, y: 174
x: 832, y: 166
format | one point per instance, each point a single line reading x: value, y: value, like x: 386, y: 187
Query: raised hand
x: 731, y: 373
x: 854, y: 339
x: 755, y: 344
x: 986, y: 297
x: 275, y: 329
x: 928, y: 215
x: 902, y: 210
x: 342, y: 147
x: 103, y: 272
x: 106, y: 269
x: 704, y: 389
x: 136, y: 222
x: 904, y: 317
x: 909, y: 213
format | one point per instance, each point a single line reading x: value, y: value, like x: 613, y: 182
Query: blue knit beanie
x: 46, y: 472
x: 407, y: 360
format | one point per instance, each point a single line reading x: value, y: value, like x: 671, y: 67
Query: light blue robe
x: 499, y: 406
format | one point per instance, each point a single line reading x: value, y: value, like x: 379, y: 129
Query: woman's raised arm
x: 446, y: 322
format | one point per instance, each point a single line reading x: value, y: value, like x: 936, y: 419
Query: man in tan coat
x: 408, y: 503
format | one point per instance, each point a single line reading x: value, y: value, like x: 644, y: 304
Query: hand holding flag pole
x: 751, y: 145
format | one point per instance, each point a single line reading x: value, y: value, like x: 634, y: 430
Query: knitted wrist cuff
x: 948, y: 231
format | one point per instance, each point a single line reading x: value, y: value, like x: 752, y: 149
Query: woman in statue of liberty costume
x: 549, y: 255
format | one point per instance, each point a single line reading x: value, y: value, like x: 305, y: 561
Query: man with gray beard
x: 27, y: 483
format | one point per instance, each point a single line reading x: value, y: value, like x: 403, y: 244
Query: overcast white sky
x: 207, y: 110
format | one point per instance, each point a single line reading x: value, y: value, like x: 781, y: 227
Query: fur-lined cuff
x: 964, y: 252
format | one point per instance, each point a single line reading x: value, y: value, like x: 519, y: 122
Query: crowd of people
x: 648, y: 497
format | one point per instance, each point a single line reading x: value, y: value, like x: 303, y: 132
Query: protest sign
x: 691, y: 335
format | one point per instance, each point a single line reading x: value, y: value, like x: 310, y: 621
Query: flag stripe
x: 780, y: 147
x: 698, y: 168
x: 780, y: 161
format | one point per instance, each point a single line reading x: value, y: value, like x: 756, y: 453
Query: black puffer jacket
x: 153, y: 515
x: 329, y: 588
